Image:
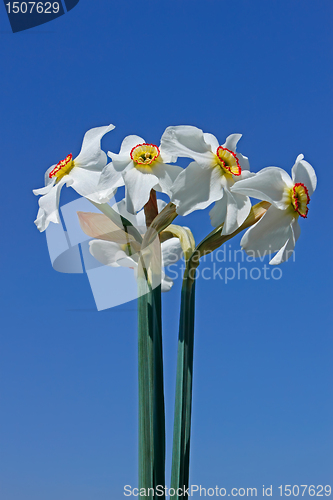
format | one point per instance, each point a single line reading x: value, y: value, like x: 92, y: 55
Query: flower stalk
x: 183, y: 398
x: 150, y: 353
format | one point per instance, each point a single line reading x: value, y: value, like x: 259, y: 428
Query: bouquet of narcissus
x: 138, y: 233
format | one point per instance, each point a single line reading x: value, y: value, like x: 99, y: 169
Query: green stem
x: 183, y: 404
x: 159, y: 411
x: 151, y: 386
x: 146, y: 377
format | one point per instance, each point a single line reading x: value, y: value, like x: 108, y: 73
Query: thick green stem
x: 151, y: 390
x: 151, y: 381
x: 159, y: 411
x: 146, y: 386
x: 183, y: 404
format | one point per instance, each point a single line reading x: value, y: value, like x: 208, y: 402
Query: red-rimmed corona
x: 145, y: 154
x: 143, y: 166
x: 279, y: 229
x: 62, y: 168
x: 300, y: 199
x: 81, y: 173
x: 215, y: 168
x: 228, y: 160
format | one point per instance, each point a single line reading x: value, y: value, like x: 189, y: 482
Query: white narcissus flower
x: 209, y: 177
x: 115, y: 249
x: 278, y: 230
x: 81, y: 173
x: 143, y: 167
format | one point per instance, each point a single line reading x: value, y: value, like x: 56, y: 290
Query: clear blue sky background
x: 263, y: 349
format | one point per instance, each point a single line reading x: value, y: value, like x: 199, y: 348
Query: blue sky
x: 263, y: 373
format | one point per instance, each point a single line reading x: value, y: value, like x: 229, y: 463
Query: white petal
x: 123, y: 161
x: 91, y: 156
x: 287, y: 250
x: 138, y: 220
x: 270, y: 233
x: 160, y: 205
x: 212, y: 141
x: 303, y: 172
x: 120, y: 208
x: 231, y: 142
x: 120, y: 162
x: 44, y: 190
x: 166, y: 283
x: 238, y: 208
x: 85, y: 183
x: 107, y: 252
x: 219, y: 211
x: 245, y: 174
x: 171, y: 251
x: 166, y: 175
x: 47, y: 179
x: 195, y: 188
x: 138, y: 187
x: 49, y: 204
x: 186, y: 141
x: 269, y: 185
x: 243, y: 161
x: 129, y: 143
x: 110, y: 179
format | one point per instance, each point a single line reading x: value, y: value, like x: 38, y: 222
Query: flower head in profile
x: 209, y: 177
x: 81, y: 173
x: 143, y: 167
x: 278, y: 230
x: 115, y: 248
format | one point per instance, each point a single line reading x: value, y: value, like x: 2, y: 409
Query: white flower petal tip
x: 231, y: 142
x: 91, y: 156
x: 48, y: 205
x: 166, y: 283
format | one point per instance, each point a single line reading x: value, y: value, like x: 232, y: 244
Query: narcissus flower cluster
x: 216, y: 174
x: 138, y: 232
